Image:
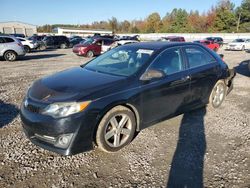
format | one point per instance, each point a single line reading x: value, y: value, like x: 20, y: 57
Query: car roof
x: 2, y: 35
x: 173, y: 37
x: 157, y: 45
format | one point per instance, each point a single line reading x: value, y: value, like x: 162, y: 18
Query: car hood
x: 236, y: 43
x: 75, y: 84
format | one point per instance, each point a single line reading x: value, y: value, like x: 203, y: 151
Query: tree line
x: 224, y: 17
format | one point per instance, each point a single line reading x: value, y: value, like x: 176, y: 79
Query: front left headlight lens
x: 58, y: 110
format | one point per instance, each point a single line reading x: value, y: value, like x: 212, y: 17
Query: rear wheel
x: 10, y: 56
x: 116, y: 129
x: 63, y: 46
x: 90, y: 53
x: 218, y: 94
x: 27, y: 49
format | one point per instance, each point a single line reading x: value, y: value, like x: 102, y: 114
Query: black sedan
x: 125, y: 90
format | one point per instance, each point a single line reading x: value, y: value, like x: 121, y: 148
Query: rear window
x: 7, y: 39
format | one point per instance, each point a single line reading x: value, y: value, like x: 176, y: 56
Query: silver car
x: 10, y: 48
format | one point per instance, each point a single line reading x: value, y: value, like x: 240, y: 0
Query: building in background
x: 81, y: 32
x: 15, y: 27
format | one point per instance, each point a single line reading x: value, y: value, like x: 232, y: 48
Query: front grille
x: 33, y: 108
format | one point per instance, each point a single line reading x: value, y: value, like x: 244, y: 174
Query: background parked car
x: 28, y: 44
x: 56, y: 42
x: 18, y: 35
x: 211, y: 45
x: 134, y: 38
x: 217, y: 40
x: 38, y: 41
x: 92, y: 47
x: 10, y: 48
x: 239, y: 44
x: 173, y: 39
x: 76, y: 40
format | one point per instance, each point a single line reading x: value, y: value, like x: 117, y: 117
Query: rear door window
x: 1, y: 40
x: 7, y: 40
x: 198, y: 57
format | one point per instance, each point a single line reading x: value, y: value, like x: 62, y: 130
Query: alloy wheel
x: 118, y: 130
x: 10, y: 56
x: 219, y: 94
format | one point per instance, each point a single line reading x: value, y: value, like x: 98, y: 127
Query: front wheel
x: 116, y: 129
x: 90, y: 54
x: 218, y: 94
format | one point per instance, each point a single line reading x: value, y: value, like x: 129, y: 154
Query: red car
x: 173, y: 39
x: 92, y: 47
x: 210, y: 44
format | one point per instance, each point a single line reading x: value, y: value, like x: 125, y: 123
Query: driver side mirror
x: 152, y: 74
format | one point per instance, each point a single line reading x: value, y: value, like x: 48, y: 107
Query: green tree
x: 225, y: 18
x: 125, y: 25
x: 153, y: 23
x: 113, y: 23
x: 179, y: 21
x: 243, y: 16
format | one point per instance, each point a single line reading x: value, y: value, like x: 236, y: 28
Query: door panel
x: 167, y: 96
x: 202, y: 81
x: 204, y: 71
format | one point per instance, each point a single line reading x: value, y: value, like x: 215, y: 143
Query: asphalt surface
x: 203, y: 148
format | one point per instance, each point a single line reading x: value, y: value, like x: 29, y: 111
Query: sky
x: 40, y: 12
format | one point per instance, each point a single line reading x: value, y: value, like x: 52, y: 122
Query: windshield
x: 121, y: 61
x: 88, y: 41
x: 238, y: 40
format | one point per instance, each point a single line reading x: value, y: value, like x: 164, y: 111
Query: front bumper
x: 229, y: 80
x: 234, y: 48
x: 45, y: 131
x: 79, y: 51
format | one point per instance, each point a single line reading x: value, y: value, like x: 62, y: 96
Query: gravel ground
x: 203, y: 148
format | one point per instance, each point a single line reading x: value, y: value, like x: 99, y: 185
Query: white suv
x: 28, y: 44
x: 10, y: 48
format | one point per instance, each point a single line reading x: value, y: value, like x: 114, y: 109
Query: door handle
x: 187, y: 78
x: 182, y: 80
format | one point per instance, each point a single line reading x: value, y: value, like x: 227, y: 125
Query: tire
x: 42, y: 47
x: 10, y: 56
x: 243, y: 48
x: 216, y: 49
x: 90, y: 54
x: 218, y: 94
x: 27, y: 49
x: 63, y: 46
x: 116, y: 129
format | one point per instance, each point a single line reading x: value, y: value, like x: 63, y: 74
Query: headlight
x: 57, y: 110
